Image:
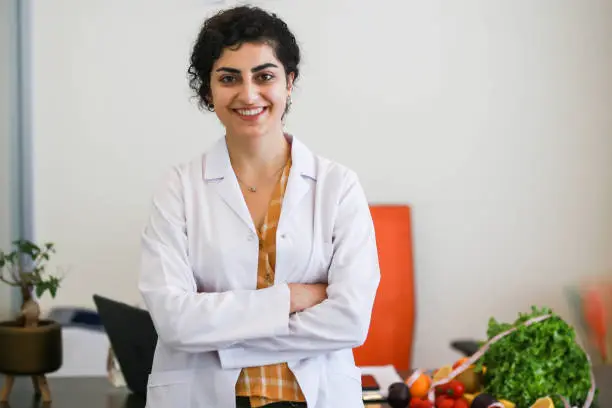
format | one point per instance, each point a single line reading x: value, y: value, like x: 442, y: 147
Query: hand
x: 304, y: 296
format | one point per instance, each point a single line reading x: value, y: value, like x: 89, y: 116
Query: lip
x: 251, y: 118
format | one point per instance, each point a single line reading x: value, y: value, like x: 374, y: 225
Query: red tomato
x: 461, y: 403
x: 455, y: 389
x: 440, y: 399
x: 442, y: 389
x: 427, y: 404
x: 417, y: 402
x: 447, y: 403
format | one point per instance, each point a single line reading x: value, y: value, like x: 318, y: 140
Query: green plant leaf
x: 535, y: 361
x: 27, y: 260
x: 40, y: 289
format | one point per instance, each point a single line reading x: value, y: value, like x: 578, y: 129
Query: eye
x: 227, y: 79
x: 266, y: 77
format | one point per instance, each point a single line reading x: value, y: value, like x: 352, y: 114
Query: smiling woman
x: 258, y: 296
x: 243, y: 67
x: 249, y: 90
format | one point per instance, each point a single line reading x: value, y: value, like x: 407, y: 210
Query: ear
x: 208, y: 99
x: 290, y: 78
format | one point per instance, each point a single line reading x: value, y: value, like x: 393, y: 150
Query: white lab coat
x: 199, y: 272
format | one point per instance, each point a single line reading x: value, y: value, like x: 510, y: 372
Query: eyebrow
x: 254, y: 69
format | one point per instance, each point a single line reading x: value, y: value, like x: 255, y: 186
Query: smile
x: 250, y: 114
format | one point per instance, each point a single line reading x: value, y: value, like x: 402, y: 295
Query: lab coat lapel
x: 219, y: 174
x: 301, y: 177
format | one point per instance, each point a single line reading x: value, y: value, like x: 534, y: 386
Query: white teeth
x: 250, y: 112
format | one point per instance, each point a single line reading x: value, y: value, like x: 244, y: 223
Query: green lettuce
x: 539, y: 360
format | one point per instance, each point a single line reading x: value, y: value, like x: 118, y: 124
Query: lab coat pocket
x: 169, y: 389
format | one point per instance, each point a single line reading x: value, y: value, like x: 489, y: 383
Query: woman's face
x: 249, y: 89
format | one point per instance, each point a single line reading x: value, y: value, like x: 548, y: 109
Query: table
x: 98, y: 393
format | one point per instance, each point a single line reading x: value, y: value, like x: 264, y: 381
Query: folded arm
x: 342, y: 320
x: 183, y: 318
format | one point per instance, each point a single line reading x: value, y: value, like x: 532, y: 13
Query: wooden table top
x: 98, y: 393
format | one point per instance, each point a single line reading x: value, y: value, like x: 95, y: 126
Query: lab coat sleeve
x: 191, y: 321
x: 341, y: 321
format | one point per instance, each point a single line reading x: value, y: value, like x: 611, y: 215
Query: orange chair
x: 391, y: 331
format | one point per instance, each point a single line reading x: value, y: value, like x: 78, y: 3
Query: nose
x: 249, y: 93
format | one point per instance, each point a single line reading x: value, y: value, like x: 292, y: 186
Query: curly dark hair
x: 232, y: 28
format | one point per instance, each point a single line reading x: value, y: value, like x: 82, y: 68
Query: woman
x: 259, y: 258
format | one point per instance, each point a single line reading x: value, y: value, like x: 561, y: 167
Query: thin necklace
x: 253, y: 189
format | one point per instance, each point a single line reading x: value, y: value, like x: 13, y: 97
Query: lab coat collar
x: 218, y: 165
x: 218, y: 172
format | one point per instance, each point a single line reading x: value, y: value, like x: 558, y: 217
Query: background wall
x: 491, y: 119
x: 7, y: 116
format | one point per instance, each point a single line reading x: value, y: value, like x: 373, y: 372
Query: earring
x: 286, y: 109
x: 210, y: 107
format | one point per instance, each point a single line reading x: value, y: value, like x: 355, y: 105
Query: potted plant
x: 29, y: 346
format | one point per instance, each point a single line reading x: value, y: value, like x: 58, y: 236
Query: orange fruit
x: 442, y: 372
x: 460, y: 361
x: 420, y: 387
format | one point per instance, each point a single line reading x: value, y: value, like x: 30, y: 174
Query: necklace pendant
x: 253, y: 189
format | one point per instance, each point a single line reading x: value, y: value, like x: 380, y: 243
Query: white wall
x: 7, y: 101
x: 490, y: 118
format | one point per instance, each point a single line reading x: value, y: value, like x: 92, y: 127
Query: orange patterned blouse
x: 272, y: 383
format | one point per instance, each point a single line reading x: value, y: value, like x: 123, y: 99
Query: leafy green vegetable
x: 542, y: 359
